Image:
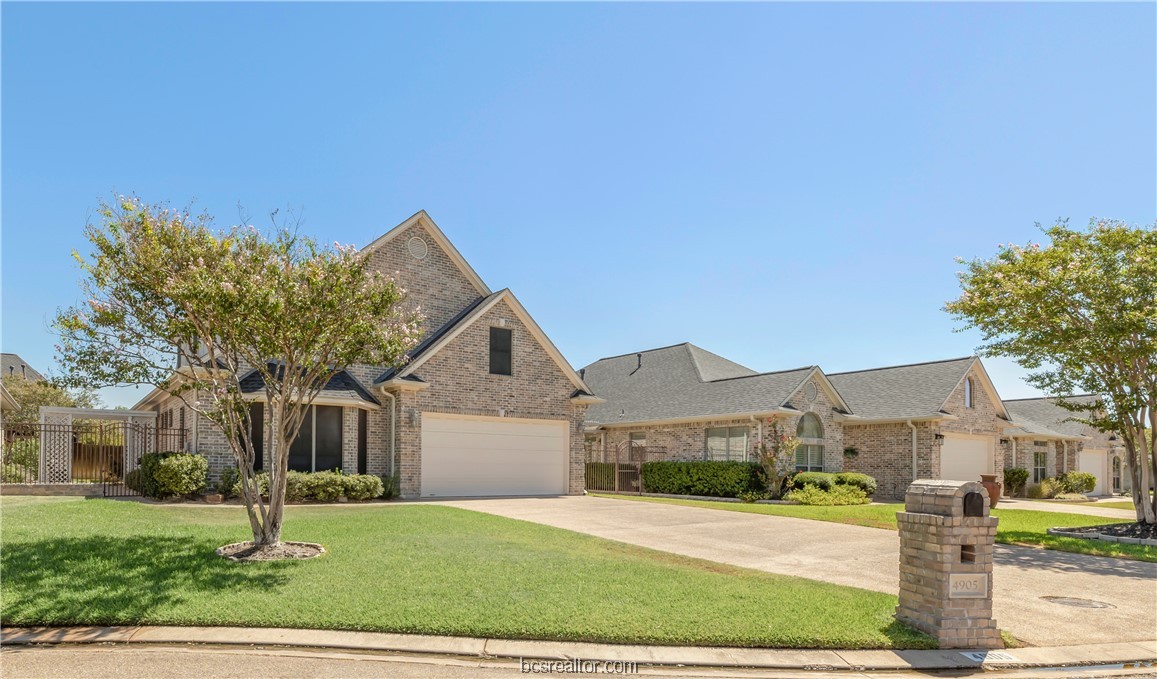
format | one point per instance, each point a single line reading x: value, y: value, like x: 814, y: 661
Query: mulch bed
x: 246, y: 551
x: 1144, y: 531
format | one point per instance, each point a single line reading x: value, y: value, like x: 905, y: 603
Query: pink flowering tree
x: 162, y: 284
x: 1081, y: 313
x: 776, y: 454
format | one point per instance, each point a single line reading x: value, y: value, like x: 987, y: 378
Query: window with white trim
x: 809, y: 456
x: 1039, y: 466
x: 727, y: 443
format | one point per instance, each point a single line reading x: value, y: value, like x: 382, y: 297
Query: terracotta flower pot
x: 993, y: 487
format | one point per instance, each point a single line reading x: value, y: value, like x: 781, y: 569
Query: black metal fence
x: 83, y: 452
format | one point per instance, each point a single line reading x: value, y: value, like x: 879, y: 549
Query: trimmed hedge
x: 856, y: 480
x: 170, y: 473
x: 1014, y: 480
x: 839, y: 495
x: 708, y: 478
x: 325, y: 486
x: 1078, y: 482
x: 821, y: 480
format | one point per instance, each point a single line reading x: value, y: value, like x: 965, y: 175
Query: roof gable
x: 825, y: 384
x: 447, y: 334
x: 420, y: 218
x: 903, y: 391
x: 1043, y: 417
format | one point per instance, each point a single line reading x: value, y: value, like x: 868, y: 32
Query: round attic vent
x: 810, y: 391
x: 417, y: 248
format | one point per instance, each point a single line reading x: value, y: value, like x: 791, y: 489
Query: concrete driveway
x: 867, y: 557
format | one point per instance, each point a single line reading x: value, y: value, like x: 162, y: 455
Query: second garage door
x: 477, y: 457
x: 1096, y: 462
x: 965, y: 458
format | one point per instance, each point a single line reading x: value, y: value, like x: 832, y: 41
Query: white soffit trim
x: 420, y: 217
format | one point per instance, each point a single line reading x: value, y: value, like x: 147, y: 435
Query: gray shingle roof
x: 340, y: 385
x: 12, y: 364
x: 432, y: 339
x: 682, y: 381
x: 902, y: 391
x: 1042, y: 416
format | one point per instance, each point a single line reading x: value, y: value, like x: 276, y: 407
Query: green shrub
x: 1051, y: 487
x: 227, y: 486
x: 182, y: 475
x: 1034, y: 491
x: 1078, y: 482
x: 708, y: 478
x: 752, y: 496
x: 324, y: 486
x: 391, y: 486
x: 861, y: 481
x: 1014, y: 480
x: 149, y: 464
x: 135, y: 480
x: 362, y: 487
x: 600, y: 475
x: 298, y: 487
x: 12, y: 472
x: 1077, y: 497
x: 24, y: 453
x: 820, y: 480
x: 811, y: 494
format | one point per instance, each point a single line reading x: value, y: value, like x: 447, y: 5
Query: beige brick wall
x: 884, y: 452
x: 461, y: 383
x: 434, y: 284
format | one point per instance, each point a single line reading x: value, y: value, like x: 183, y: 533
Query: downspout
x: 1014, y: 452
x: 759, y: 429
x: 914, y: 460
x: 393, y: 428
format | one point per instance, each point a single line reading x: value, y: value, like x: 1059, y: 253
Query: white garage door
x: 1096, y: 462
x: 474, y: 457
x: 965, y: 459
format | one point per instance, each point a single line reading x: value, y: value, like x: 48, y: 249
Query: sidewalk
x: 1086, y: 654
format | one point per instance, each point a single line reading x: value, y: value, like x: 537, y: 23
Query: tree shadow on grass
x: 118, y: 580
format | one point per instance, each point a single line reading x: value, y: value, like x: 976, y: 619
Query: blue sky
x: 783, y: 184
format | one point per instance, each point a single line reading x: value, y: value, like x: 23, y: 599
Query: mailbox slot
x: 973, y: 504
x: 967, y: 553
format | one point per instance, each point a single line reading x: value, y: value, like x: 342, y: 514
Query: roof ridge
x: 647, y: 351
x: 770, y: 372
x: 903, y: 365
x: 1047, y: 398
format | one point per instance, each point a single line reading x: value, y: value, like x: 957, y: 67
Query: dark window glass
x: 362, y: 426
x: 327, y: 430
x: 500, y: 343
x: 301, y: 452
x: 257, y: 435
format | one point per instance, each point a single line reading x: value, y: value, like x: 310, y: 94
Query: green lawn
x: 1111, y: 504
x: 409, y: 568
x: 1016, y: 527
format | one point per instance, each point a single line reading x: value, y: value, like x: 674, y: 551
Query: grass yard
x: 1016, y: 527
x: 409, y: 568
x: 1111, y: 504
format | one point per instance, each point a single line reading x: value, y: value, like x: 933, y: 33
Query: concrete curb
x: 1087, y: 654
x: 1073, y: 533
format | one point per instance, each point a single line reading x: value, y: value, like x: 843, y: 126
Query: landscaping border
x: 1072, y: 533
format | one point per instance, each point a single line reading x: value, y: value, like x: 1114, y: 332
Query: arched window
x: 967, y: 392
x: 809, y: 457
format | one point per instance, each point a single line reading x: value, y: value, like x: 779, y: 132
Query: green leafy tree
x: 31, y: 394
x: 163, y: 284
x: 1081, y: 314
x: 776, y: 454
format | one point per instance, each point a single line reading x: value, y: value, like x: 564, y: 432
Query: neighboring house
x: 486, y: 405
x: 6, y: 401
x: 11, y: 365
x: 942, y: 419
x: 1047, y: 441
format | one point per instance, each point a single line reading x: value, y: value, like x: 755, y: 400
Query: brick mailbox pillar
x: 946, y: 538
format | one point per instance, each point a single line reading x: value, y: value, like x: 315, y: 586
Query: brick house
x: 941, y: 419
x: 486, y: 405
x: 1047, y: 441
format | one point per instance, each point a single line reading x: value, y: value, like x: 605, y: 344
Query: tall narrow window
x: 500, y: 349
x: 363, y: 418
x: 967, y: 392
x: 809, y: 456
x: 1039, y: 466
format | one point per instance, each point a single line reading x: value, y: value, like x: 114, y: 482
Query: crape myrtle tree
x: 162, y: 283
x: 1081, y: 314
